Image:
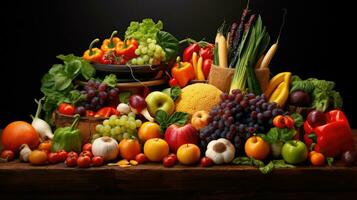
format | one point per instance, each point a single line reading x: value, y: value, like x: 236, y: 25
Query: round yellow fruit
x: 188, y: 154
x: 156, y: 149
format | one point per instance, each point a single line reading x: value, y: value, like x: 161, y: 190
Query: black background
x: 314, y: 42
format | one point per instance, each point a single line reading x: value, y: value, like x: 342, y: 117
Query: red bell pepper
x: 206, y: 51
x: 187, y: 53
x: 332, y: 138
x: 106, y: 112
x: 66, y: 109
x: 206, y: 67
x: 127, y: 49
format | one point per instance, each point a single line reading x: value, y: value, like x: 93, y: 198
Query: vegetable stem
x: 39, y: 107
x: 91, y: 46
x: 282, y: 24
x: 76, y: 120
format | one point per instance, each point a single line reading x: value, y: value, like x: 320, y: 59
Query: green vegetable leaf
x: 169, y: 44
x: 144, y: 30
x: 337, y: 100
x: 298, y: 119
x: 329, y: 161
x: 162, y: 118
x: 87, y: 70
x: 281, y: 164
x: 111, y: 80
x: 175, y: 92
x: 61, y: 81
x: 286, y: 134
x: 278, y: 134
x: 250, y: 161
x: 124, y: 97
x: 267, y: 168
x: 179, y: 118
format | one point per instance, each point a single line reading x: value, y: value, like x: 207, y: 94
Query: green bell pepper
x: 67, y: 138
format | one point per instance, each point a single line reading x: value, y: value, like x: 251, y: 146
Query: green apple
x: 167, y: 91
x: 159, y: 101
x: 294, y: 152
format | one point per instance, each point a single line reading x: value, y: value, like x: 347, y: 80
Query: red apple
x: 316, y: 118
x: 200, y: 119
x: 137, y: 103
x: 176, y: 136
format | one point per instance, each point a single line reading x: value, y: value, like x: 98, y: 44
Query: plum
x: 300, y: 98
x: 316, y: 118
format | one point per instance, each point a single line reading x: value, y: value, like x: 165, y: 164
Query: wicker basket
x: 86, y: 125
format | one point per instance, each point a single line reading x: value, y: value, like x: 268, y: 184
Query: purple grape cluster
x: 237, y: 117
x: 97, y: 95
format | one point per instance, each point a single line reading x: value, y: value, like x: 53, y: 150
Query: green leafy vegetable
x: 57, y: 84
x: 278, y: 134
x: 267, y: 168
x: 124, y: 97
x: 175, y: 92
x: 111, y: 80
x: 179, y: 118
x: 144, y: 30
x: 298, y: 119
x: 169, y: 44
x: 329, y: 161
x: 249, y: 161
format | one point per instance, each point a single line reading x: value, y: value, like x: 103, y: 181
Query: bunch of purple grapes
x: 97, y: 95
x: 237, y: 117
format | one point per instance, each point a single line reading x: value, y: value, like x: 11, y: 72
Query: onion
x: 105, y: 147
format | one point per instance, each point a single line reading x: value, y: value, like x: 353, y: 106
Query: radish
x: 40, y: 125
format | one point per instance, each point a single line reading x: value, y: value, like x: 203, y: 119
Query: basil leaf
x: 61, y: 81
x: 179, y: 118
x: 267, y: 168
x: 175, y: 92
x: 87, y: 70
x: 298, y: 120
x: 250, y: 161
x: 281, y: 164
x: 169, y: 44
x: 161, y: 117
x: 286, y: 134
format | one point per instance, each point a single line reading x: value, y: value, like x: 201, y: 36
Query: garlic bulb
x: 105, y: 147
x: 25, y: 153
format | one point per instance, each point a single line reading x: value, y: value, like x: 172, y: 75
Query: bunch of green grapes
x: 148, y: 53
x: 118, y: 127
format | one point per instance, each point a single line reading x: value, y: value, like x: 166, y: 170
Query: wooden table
x: 154, y: 181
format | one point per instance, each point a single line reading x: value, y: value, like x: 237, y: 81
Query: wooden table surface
x: 180, y: 182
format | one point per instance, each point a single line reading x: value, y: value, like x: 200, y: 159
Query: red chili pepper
x: 127, y: 49
x: 331, y: 139
x: 89, y: 113
x: 173, y: 82
x: 106, y: 112
x: 66, y: 109
x: 206, y: 67
x: 187, y: 54
x: 206, y: 52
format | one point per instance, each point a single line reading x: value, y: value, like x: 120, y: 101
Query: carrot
x: 222, y: 51
x: 272, y: 50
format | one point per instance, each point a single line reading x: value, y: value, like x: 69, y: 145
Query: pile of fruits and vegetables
x: 267, y: 121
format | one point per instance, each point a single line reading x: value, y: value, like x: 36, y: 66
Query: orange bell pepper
x: 183, y: 72
x: 111, y: 43
x: 93, y: 54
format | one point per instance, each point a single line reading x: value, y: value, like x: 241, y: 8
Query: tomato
x: 66, y: 109
x: 87, y: 147
x: 289, y: 121
x: 169, y: 161
x: 17, y: 133
x: 278, y: 121
x: 97, y: 161
x: 317, y: 159
x: 72, y: 154
x: 46, y: 145
x: 83, y: 161
x: 71, y: 161
x: 63, y: 155
x: 38, y: 157
x: 54, y: 158
x: 86, y: 153
x: 206, y: 162
x: 8, y: 155
x: 173, y: 156
x: 141, y: 158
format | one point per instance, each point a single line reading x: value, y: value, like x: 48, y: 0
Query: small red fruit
x: 83, y: 161
x: 53, y: 158
x: 97, y: 161
x: 169, y: 161
x: 141, y: 158
x: 86, y: 153
x: 87, y: 147
x: 206, y: 162
x: 63, y: 155
x: 8, y: 155
x: 71, y: 161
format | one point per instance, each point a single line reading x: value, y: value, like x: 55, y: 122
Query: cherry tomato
x: 87, y: 147
x: 83, y: 161
x: 8, y: 155
x: 317, y: 159
x: 206, y: 162
x: 169, y: 161
x: 86, y: 153
x: 46, y: 145
x: 53, y: 158
x: 278, y: 121
x: 97, y: 161
x: 63, y: 155
x: 173, y: 156
x: 173, y: 82
x: 90, y: 113
x: 289, y: 121
x: 71, y: 161
x: 66, y: 109
x: 141, y: 158
x: 72, y: 154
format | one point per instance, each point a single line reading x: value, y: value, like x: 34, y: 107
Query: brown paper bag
x: 263, y: 77
x: 221, y: 77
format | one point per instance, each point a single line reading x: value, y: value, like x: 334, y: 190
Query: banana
x: 280, y: 95
x: 275, y: 81
x: 277, y: 91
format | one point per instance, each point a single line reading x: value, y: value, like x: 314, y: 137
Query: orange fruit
x: 38, y: 157
x: 17, y: 133
x: 45, y: 146
x: 317, y: 159
x: 257, y: 148
x: 149, y: 130
x: 188, y: 154
x: 129, y: 148
x: 156, y: 149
